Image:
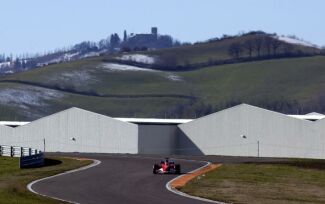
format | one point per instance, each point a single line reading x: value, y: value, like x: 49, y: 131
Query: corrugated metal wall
x: 77, y: 130
x: 246, y: 130
x: 243, y: 130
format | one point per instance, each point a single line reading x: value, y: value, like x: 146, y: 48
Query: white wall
x: 6, y: 135
x: 92, y: 132
x: 216, y: 134
x: 279, y: 135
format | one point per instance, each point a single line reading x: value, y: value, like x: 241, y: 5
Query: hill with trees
x: 288, y: 85
x: 252, y: 46
x: 112, y: 44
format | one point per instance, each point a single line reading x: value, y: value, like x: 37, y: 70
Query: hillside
x: 290, y: 85
x: 250, y: 46
x: 112, y: 44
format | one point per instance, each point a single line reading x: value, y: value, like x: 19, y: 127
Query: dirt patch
x: 183, y: 180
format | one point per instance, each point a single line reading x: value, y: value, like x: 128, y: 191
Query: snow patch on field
x: 24, y: 98
x: 174, y: 77
x: 112, y: 67
x: 295, y: 41
x: 80, y: 76
x: 138, y: 58
x: 77, y: 78
x: 5, y: 64
x: 90, y: 54
x: 70, y: 56
x: 123, y: 67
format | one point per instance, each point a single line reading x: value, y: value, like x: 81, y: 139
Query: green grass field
x: 301, y: 181
x: 90, y: 85
x: 293, y: 79
x: 13, y: 181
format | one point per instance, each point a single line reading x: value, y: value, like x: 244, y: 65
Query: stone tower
x: 154, y: 30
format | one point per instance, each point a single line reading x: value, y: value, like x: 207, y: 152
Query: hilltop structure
x: 146, y: 36
x: 148, y: 40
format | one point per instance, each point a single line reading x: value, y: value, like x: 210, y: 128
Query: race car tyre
x: 155, y: 168
x: 177, y: 169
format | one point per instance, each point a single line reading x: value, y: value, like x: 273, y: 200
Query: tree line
x: 112, y: 44
x: 195, y: 108
x: 261, y: 46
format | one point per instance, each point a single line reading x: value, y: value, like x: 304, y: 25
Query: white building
x: 242, y: 130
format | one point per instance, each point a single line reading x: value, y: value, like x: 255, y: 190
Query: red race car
x: 166, y: 167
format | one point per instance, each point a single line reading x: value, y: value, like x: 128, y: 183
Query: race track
x: 118, y: 179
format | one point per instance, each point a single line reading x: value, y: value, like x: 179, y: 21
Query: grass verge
x: 13, y: 181
x: 298, y: 181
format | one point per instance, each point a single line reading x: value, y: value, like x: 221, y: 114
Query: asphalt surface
x: 118, y: 179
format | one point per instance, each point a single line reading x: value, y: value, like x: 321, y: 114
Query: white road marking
x: 97, y: 162
x: 173, y: 190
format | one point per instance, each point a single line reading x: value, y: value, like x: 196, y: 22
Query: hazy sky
x: 39, y: 25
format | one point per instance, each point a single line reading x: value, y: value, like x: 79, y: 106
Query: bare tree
x: 322, y: 51
x: 288, y: 48
x: 235, y: 50
x: 275, y: 45
x: 258, y: 43
x: 268, y: 44
x: 249, y: 46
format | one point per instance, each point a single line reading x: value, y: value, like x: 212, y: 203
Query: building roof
x: 130, y: 120
x: 154, y: 120
x: 13, y: 123
x: 315, y: 113
x: 308, y: 117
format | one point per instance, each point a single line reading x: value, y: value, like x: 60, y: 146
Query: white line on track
x: 173, y: 190
x: 30, y: 185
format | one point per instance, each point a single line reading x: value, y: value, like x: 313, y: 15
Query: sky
x: 42, y: 25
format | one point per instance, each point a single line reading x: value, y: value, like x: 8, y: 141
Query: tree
x: 288, y: 48
x: 103, y: 44
x: 249, y: 46
x: 322, y: 51
x: 2, y: 58
x: 125, y: 37
x: 144, y: 48
x: 85, y: 46
x: 275, y: 45
x: 258, y: 43
x: 235, y: 50
x: 268, y: 44
x: 17, y: 63
x: 115, y: 41
x: 125, y: 49
x: 164, y: 41
x: 177, y: 43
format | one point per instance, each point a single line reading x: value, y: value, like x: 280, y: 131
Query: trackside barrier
x: 29, y: 157
x: 14, y: 151
x: 36, y: 160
